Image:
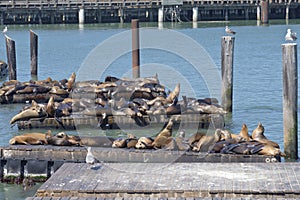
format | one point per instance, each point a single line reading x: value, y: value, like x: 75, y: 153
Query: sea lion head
x: 144, y: 143
x: 119, y: 143
x: 258, y: 131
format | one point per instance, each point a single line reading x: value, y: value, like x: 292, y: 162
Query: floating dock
x: 173, y: 181
x: 202, y: 121
x: 43, y: 160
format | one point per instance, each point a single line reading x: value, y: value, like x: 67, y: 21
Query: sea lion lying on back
x: 29, y: 138
x: 62, y: 139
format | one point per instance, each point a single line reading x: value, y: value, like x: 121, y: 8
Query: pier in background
x: 101, y: 11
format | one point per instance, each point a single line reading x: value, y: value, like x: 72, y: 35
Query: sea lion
x: 62, y: 139
x: 50, y: 107
x: 243, y: 133
x: 173, y: 94
x: 195, y: 138
x: 270, y: 150
x: 71, y: 81
x: 258, y: 135
x: 144, y: 143
x: 162, y: 141
x: 181, y: 142
x: 29, y: 138
x: 245, y: 147
x: 174, y: 108
x: 167, y: 131
x: 205, y: 144
x: 119, y: 143
x: 34, y: 111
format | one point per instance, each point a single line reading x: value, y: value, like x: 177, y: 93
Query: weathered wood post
x: 11, y: 58
x: 264, y: 11
x: 33, y: 53
x: 227, y: 71
x: 290, y: 99
x: 135, y: 48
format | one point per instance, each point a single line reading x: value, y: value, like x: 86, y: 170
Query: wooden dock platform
x: 173, y: 181
x: 45, y: 160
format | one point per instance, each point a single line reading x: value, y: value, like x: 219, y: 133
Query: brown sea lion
x: 258, y: 135
x: 29, y: 138
x: 167, y: 131
x: 181, y: 142
x: 243, y: 133
x: 144, y: 143
x: 50, y: 107
x: 62, y: 139
x: 205, y: 144
x: 131, y: 142
x: 34, y: 111
x: 269, y: 150
x: 173, y: 94
x: 58, y: 90
x: 119, y: 143
x: 161, y: 141
x: 195, y: 138
x: 71, y: 82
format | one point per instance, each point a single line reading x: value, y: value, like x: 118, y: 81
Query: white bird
x: 5, y: 29
x: 90, y: 159
x: 290, y: 35
x: 229, y: 31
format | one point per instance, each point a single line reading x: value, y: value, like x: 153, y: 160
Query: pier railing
x: 97, y: 3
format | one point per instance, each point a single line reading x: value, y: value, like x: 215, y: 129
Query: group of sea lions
x: 60, y: 139
x: 135, y: 98
x: 14, y: 91
x: 221, y: 141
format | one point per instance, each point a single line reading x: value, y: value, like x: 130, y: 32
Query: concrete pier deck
x: 173, y: 181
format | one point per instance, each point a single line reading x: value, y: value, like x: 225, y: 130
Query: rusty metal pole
x: 290, y: 100
x: 33, y: 53
x: 11, y: 58
x: 264, y: 11
x: 135, y: 48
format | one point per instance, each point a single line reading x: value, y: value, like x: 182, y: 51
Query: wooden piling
x: 135, y: 48
x: 227, y: 50
x: 264, y: 11
x: 290, y: 100
x: 33, y: 53
x: 11, y: 58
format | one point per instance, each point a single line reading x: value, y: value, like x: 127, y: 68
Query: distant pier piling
x: 135, y: 48
x: 160, y: 14
x: 290, y: 99
x: 81, y: 15
x: 195, y: 14
x: 227, y: 50
x: 33, y: 53
x: 11, y: 58
x: 264, y: 11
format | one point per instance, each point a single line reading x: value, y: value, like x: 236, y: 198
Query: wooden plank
x: 151, y: 179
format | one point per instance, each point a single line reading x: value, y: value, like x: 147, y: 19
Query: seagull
x: 90, y: 159
x: 229, y: 31
x: 5, y: 29
x: 290, y: 35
